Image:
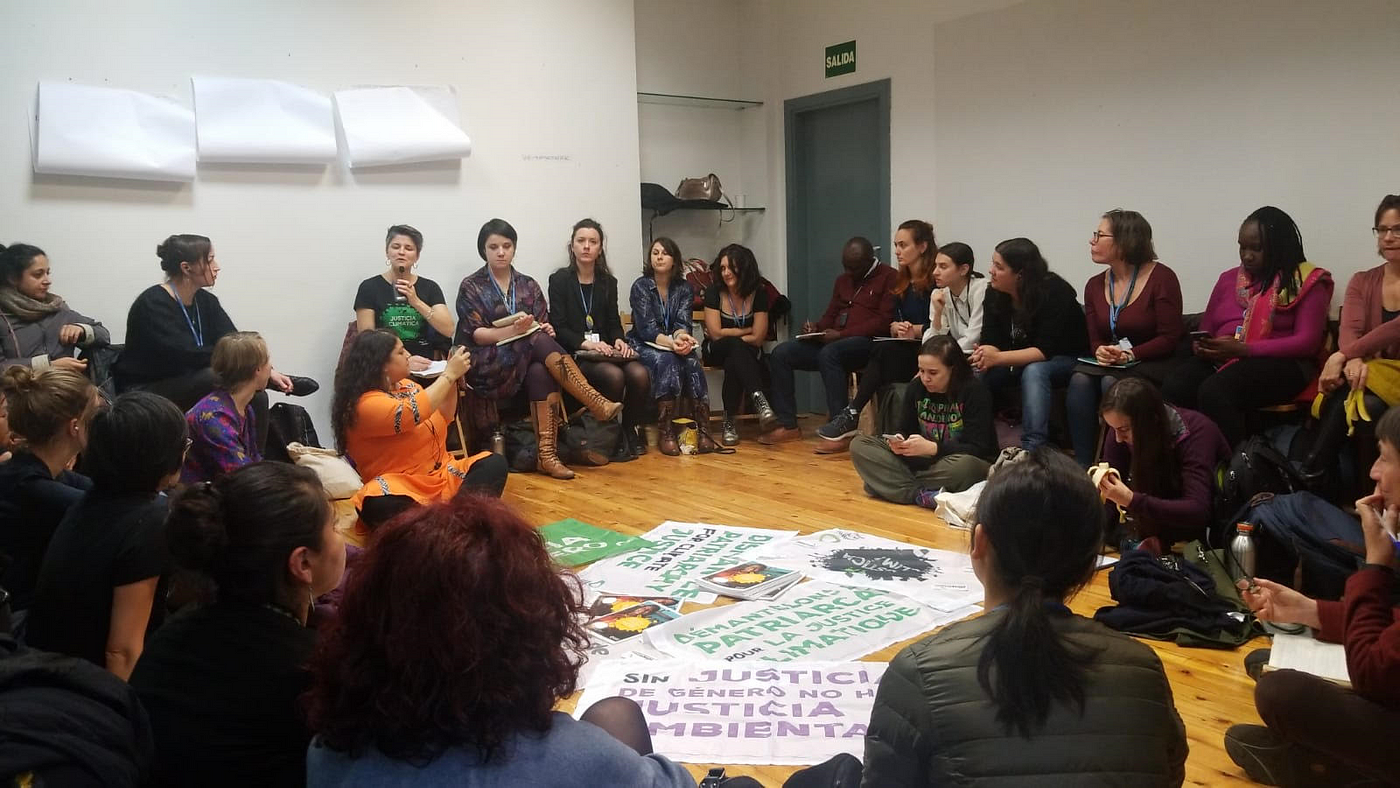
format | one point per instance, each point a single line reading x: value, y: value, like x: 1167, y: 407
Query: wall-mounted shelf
x: 701, y: 102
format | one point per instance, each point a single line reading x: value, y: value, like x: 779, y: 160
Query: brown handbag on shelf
x: 706, y: 188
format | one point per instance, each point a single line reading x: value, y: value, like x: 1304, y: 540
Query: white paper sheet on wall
x: 112, y: 133
x: 401, y: 125
x: 246, y: 121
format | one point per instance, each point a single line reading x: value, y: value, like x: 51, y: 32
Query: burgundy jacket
x: 869, y: 311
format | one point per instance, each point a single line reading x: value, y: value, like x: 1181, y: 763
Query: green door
x: 838, y: 186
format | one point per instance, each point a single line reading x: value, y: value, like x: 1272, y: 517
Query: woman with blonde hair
x: 223, y: 424
x: 49, y: 411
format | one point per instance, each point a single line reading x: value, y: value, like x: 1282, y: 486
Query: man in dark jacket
x: 858, y: 311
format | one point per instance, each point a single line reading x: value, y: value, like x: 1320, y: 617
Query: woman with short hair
x: 1133, y: 314
x: 103, y: 583
x: 41, y: 329
x: 1029, y: 688
x: 220, y: 682
x: 522, y: 352
x: 395, y: 702
x: 400, y: 300
x: 223, y: 424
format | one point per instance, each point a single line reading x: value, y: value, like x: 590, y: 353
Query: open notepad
x: 1308, y: 654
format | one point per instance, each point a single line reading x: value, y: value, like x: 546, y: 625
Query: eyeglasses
x: 1099, y: 234
x: 1380, y: 231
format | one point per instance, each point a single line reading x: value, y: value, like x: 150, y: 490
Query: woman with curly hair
x: 456, y: 638
x: 394, y: 431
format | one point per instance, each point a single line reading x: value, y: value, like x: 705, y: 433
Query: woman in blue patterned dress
x: 521, y: 354
x: 661, y: 312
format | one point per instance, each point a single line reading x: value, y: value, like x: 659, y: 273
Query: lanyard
x: 953, y: 302
x: 587, y: 305
x: 1114, y: 309
x: 665, y: 318
x: 198, y: 332
x: 509, y: 301
x: 739, y: 317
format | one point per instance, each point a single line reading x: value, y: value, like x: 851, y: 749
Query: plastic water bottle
x: 1242, y: 552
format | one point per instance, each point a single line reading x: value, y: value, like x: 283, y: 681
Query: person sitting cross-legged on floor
x: 946, y: 439
x: 1028, y: 693
x: 1317, y: 733
x: 860, y: 310
x: 395, y: 432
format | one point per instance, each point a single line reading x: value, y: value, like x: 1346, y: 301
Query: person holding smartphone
x: 411, y: 306
x: 1267, y: 322
x: 946, y: 439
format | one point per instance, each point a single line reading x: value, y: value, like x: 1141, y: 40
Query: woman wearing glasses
x: 1369, y: 338
x: 1133, y: 313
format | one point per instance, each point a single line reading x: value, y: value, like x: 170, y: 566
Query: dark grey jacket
x: 933, y: 725
x: 33, y: 344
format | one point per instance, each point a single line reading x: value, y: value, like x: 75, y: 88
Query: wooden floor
x: 791, y: 487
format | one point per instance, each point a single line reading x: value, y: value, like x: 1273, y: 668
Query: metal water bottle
x: 498, y: 443
x: 1242, y: 552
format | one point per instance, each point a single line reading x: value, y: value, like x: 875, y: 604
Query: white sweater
x: 962, y: 314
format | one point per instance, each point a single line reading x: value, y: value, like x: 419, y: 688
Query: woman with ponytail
x: 220, y: 682
x: 48, y: 411
x: 1029, y: 688
x: 103, y: 581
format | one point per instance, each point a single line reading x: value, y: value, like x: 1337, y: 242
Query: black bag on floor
x: 839, y: 771
x: 522, y: 453
x: 288, y: 423
x: 1305, y: 543
x: 1255, y: 466
x: 585, y: 432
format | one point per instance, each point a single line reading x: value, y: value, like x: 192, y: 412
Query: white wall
x: 535, y: 78
x: 694, y: 49
x: 1194, y: 112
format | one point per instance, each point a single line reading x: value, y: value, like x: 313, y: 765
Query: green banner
x: 841, y: 59
x: 574, y: 543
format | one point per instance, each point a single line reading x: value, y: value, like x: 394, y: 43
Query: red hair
x: 456, y: 629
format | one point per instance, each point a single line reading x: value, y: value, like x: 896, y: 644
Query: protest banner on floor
x: 708, y: 712
x: 679, y: 553
x: 938, y: 578
x: 574, y: 543
x: 816, y: 620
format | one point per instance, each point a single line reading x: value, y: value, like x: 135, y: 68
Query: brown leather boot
x: 566, y: 373
x: 700, y: 411
x: 666, y: 428
x: 545, y: 417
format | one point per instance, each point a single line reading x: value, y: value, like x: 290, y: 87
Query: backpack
x: 1304, y: 542
x: 839, y: 771
x: 1255, y: 466
x: 288, y: 423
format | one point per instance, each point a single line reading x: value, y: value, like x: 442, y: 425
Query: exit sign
x: 841, y: 59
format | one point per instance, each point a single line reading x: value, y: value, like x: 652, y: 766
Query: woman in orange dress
x: 394, y: 431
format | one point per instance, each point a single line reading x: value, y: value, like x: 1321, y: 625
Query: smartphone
x: 893, y: 437
x: 1197, y: 336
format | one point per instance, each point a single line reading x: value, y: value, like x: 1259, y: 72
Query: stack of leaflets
x: 625, y: 622
x: 750, y: 580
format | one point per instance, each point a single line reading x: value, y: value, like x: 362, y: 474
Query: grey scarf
x: 15, y: 304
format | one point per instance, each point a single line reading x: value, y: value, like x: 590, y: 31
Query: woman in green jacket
x: 1028, y: 689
